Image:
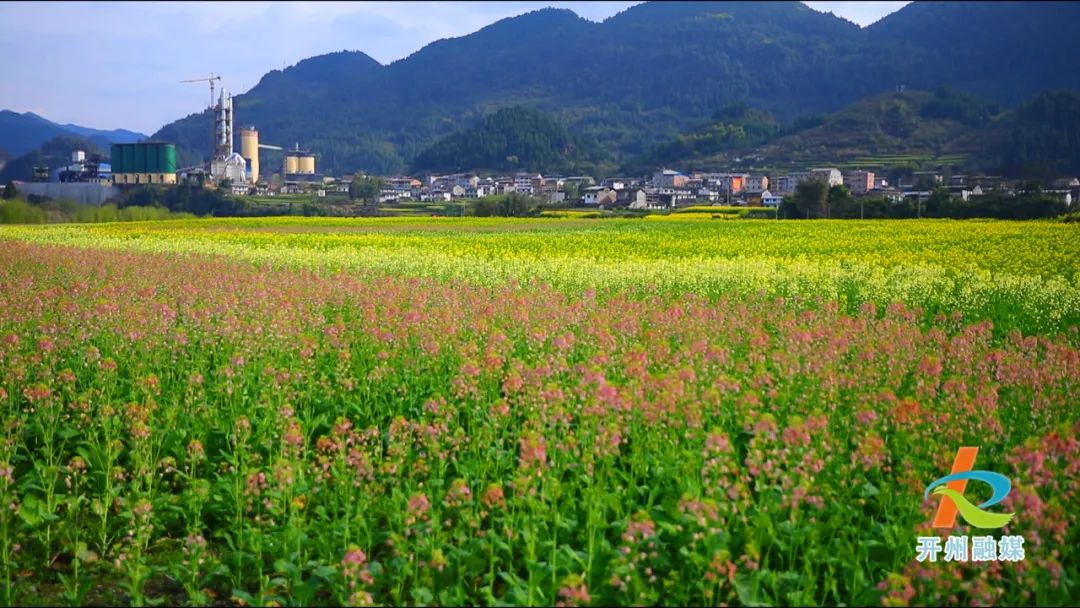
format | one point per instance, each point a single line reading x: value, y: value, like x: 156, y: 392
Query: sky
x: 110, y: 65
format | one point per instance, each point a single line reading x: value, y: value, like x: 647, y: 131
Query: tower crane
x: 211, y: 80
x: 213, y: 126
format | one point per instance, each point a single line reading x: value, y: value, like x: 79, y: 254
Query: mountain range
x: 26, y: 132
x: 646, y: 76
x: 648, y: 73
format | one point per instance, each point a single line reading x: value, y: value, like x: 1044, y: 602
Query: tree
x: 839, y: 196
x: 572, y: 191
x: 514, y: 204
x: 10, y: 191
x: 939, y: 204
x: 365, y: 188
x: 812, y: 198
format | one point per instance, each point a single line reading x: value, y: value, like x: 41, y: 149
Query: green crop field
x: 564, y: 410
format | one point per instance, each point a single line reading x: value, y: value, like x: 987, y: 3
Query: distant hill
x: 649, y: 73
x: 22, y: 133
x: 914, y: 129
x: 510, y: 139
x: 106, y: 138
x: 26, y: 132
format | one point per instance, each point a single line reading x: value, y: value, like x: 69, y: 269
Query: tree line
x: 815, y: 199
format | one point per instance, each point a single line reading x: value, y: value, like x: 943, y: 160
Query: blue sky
x: 115, y: 65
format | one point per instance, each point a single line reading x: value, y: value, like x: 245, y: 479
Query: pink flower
x: 574, y: 595
x: 417, y: 509
x: 533, y: 451
x: 459, y: 493
x: 493, y: 496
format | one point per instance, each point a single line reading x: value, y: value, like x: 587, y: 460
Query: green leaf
x: 748, y: 596
x: 30, y: 511
x: 287, y: 568
x: 422, y: 596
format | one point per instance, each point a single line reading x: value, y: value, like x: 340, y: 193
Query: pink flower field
x: 198, y: 429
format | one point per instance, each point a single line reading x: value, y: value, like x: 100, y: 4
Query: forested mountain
x: 917, y: 129
x: 1006, y: 52
x: 511, y: 139
x: 22, y: 133
x: 736, y: 127
x: 643, y: 76
x: 1041, y: 139
x: 26, y: 132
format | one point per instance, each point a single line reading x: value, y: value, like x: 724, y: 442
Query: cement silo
x: 249, y: 149
x: 292, y: 163
x: 306, y: 164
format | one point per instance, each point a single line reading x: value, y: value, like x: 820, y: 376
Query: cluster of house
x: 667, y: 189
x: 664, y: 190
x: 470, y: 185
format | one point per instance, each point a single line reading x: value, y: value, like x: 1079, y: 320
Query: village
x: 670, y: 189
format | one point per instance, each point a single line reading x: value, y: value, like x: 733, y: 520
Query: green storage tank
x: 129, y: 159
x: 169, y: 158
x: 140, y: 159
x: 144, y: 157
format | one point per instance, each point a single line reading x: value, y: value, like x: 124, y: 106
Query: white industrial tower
x: 225, y: 163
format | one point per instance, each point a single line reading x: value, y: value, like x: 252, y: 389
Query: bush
x: 18, y: 211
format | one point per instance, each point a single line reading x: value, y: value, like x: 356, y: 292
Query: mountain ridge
x: 21, y: 133
x: 643, y: 75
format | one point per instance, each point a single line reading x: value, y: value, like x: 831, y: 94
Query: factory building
x: 300, y: 166
x: 151, y: 162
x: 297, y: 165
x: 84, y: 170
x: 299, y: 162
x: 226, y: 164
x: 244, y: 168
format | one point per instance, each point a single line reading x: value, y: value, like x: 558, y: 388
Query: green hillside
x: 647, y: 74
x: 510, y: 139
x: 913, y: 129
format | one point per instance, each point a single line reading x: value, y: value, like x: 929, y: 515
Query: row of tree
x: 815, y: 199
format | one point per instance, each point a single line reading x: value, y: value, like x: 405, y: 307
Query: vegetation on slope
x: 509, y: 139
x: 910, y: 129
